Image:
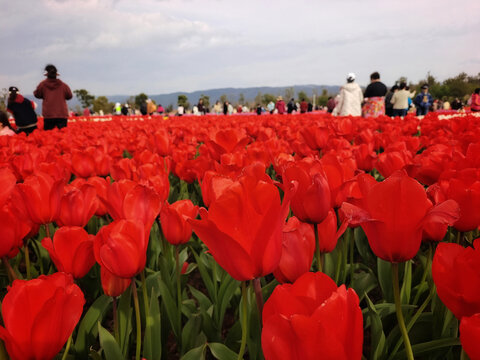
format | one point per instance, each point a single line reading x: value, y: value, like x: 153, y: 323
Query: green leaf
x: 124, y: 318
x: 94, y: 355
x: 430, y: 346
x: 152, y: 346
x: 384, y: 276
x: 221, y: 352
x: 203, y: 300
x: 202, y: 268
x: 109, y: 345
x: 88, y: 329
x: 170, y: 306
x: 378, y: 348
x: 196, y: 354
x: 227, y: 289
x: 364, y: 282
x: 406, y: 290
x: 192, y: 334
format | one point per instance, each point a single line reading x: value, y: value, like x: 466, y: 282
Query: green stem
x: 352, y: 251
x: 179, y: 298
x: 69, y: 342
x: 463, y: 355
x: 398, y: 310
x: 345, y: 258
x: 145, y: 295
x: 317, y: 248
x: 115, y: 321
x: 137, y: 316
x: 257, y: 286
x: 27, y: 259
x: 11, y: 273
x: 413, y: 320
x: 426, y: 271
x: 339, y: 263
x: 47, y: 230
x: 244, y: 321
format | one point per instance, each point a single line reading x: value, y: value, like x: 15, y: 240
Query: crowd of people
x: 376, y: 100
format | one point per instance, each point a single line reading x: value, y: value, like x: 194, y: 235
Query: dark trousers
x: 399, y: 112
x: 49, y: 124
x: 28, y: 130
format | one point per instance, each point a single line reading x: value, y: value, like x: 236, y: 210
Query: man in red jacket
x: 54, y: 92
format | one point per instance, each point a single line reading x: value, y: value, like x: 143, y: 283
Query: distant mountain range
x: 233, y: 94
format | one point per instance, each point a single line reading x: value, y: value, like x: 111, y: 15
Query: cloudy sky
x: 160, y: 46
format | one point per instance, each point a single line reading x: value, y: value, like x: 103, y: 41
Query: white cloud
x: 156, y: 46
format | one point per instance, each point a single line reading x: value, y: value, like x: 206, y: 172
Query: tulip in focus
x: 298, y: 246
x: 470, y: 336
x: 312, y: 319
x: 71, y: 250
x: 173, y: 219
x: 39, y: 315
x: 456, y: 273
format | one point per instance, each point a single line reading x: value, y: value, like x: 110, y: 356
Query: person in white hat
x: 350, y: 98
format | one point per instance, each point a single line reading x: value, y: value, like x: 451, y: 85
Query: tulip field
x: 278, y: 237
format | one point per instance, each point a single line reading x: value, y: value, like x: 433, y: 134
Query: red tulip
x: 298, y: 246
x: 121, y: 247
x: 212, y: 186
x: 173, y: 219
x: 77, y: 206
x: 328, y: 233
x: 243, y: 228
x: 470, y: 336
x: 128, y: 200
x: 12, y: 231
x: 312, y: 319
x: 7, y: 184
x: 39, y: 316
x: 393, y: 213
x: 311, y: 201
x: 82, y: 164
x: 71, y: 250
x: 456, y: 273
x: 41, y: 195
x: 113, y: 285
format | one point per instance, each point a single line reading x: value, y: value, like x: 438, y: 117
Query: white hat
x: 351, y: 76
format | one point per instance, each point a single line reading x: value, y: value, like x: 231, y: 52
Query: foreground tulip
x: 41, y: 194
x: 298, y: 246
x: 7, y: 184
x: 312, y: 319
x: 113, y: 285
x: 121, y: 247
x: 71, y: 250
x: 456, y: 273
x: 243, y: 228
x: 470, y: 336
x: 12, y: 231
x: 173, y: 219
x: 311, y: 201
x: 393, y: 213
x: 77, y: 206
x: 39, y: 316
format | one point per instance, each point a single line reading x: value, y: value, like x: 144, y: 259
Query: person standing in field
x: 350, y: 98
x: 475, y: 105
x: 280, y: 105
x: 54, y: 93
x: 423, y: 101
x: 22, y: 110
x: 374, y: 97
x: 400, y: 100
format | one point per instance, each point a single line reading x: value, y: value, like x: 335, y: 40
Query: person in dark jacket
x: 54, y: 93
x: 291, y: 106
x: 423, y: 101
x: 22, y: 110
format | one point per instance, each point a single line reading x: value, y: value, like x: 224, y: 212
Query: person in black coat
x: 22, y: 110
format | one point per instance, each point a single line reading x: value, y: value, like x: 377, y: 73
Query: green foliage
x: 206, y: 100
x: 102, y: 103
x: 460, y: 86
x: 223, y: 98
x: 241, y: 99
x: 289, y: 93
x: 266, y: 98
x: 140, y: 99
x: 302, y: 95
x: 84, y: 97
x: 183, y: 101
